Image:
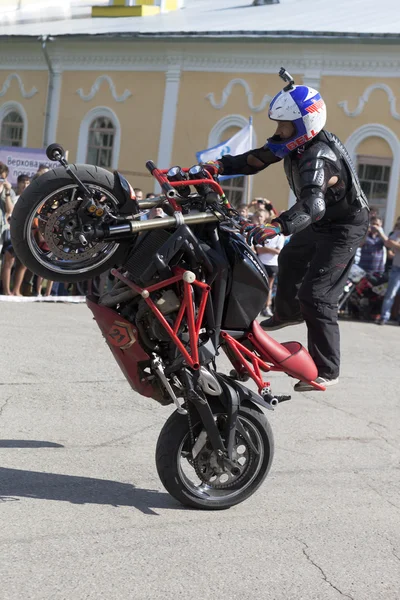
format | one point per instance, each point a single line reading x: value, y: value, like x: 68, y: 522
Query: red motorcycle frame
x: 255, y: 353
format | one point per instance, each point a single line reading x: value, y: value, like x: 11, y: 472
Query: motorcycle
x: 363, y: 294
x: 186, y: 288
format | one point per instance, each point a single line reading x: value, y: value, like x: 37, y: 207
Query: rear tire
x: 169, y: 453
x: 32, y: 197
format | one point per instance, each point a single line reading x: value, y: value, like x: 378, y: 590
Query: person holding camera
x: 392, y: 242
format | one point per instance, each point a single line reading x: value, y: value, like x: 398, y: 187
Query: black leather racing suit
x: 327, y: 224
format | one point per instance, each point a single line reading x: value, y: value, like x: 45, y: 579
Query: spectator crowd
x: 378, y: 253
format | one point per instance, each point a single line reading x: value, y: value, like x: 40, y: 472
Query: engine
x: 150, y: 328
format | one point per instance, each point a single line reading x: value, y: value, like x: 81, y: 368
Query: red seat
x: 291, y: 357
x: 274, y: 349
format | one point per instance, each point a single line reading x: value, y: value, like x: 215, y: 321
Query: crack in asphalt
x: 394, y: 549
x: 122, y: 437
x: 358, y: 417
x: 383, y: 497
x: 310, y: 560
x: 382, y: 437
x: 4, y: 405
x: 297, y: 452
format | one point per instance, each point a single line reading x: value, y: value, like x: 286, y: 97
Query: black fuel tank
x: 249, y: 287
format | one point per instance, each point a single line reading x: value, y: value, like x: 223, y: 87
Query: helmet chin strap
x: 277, y: 138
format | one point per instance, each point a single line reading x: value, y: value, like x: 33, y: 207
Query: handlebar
x: 168, y: 187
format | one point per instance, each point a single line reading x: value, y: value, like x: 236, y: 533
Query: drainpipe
x: 53, y: 95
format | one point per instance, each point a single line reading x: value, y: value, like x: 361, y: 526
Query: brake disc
x: 210, y: 472
x: 59, y: 234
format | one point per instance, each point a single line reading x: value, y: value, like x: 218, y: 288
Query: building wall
x: 28, y: 90
x: 139, y: 115
x: 169, y: 97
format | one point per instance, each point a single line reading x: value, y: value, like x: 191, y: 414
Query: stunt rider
x: 327, y: 223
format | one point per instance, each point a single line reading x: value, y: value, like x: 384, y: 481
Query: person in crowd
x: 259, y: 217
x: 373, y: 251
x: 41, y: 170
x: 393, y: 243
x: 23, y: 181
x: 243, y: 211
x: 327, y: 223
x: 7, y: 260
x: 264, y: 204
x: 150, y: 195
x: 156, y: 212
x: 268, y: 255
x: 7, y: 199
x: 138, y: 193
x: 258, y: 204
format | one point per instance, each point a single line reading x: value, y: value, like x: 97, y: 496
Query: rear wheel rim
x: 89, y: 258
x: 201, y: 490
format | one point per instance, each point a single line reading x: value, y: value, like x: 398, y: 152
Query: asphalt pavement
x: 83, y: 514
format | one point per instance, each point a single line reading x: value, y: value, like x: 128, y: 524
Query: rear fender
x: 242, y: 393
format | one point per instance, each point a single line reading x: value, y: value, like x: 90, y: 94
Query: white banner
x: 237, y: 144
x: 24, y: 161
x: 69, y: 299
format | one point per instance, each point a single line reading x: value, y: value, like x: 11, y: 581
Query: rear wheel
x: 200, y: 482
x: 45, y: 227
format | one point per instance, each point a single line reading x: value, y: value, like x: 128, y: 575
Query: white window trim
x: 83, y: 138
x: 225, y: 123
x: 378, y: 130
x: 11, y: 106
x: 380, y: 161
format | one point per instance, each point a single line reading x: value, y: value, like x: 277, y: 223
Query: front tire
x: 57, y: 187
x: 175, y: 464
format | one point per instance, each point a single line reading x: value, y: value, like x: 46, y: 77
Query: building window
x: 234, y: 191
x: 374, y: 174
x: 101, y: 142
x: 12, y: 129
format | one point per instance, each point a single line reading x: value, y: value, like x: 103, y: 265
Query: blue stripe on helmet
x: 300, y: 94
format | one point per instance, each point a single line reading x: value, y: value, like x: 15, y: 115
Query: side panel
x: 122, y: 339
x: 249, y: 286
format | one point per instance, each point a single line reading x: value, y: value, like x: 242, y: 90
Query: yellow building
x: 117, y: 91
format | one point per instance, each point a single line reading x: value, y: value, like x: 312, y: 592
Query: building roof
x: 370, y: 19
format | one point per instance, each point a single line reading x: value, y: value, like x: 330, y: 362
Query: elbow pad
x: 293, y: 220
x: 302, y: 214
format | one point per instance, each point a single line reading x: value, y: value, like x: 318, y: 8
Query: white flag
x: 237, y: 144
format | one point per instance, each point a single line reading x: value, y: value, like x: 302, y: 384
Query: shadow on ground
x: 28, y: 444
x: 16, y: 484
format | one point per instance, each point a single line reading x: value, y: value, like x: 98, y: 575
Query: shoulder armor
x: 319, y: 150
x: 312, y: 173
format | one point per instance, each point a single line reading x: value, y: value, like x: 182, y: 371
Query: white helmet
x: 305, y: 108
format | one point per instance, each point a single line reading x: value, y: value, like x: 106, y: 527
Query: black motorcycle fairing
x: 218, y: 281
x: 154, y: 253
x: 129, y: 205
x: 248, y: 287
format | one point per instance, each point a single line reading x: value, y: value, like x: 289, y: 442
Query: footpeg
x: 283, y: 398
x: 272, y: 400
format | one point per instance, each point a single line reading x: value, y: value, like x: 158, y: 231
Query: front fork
x: 195, y: 398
